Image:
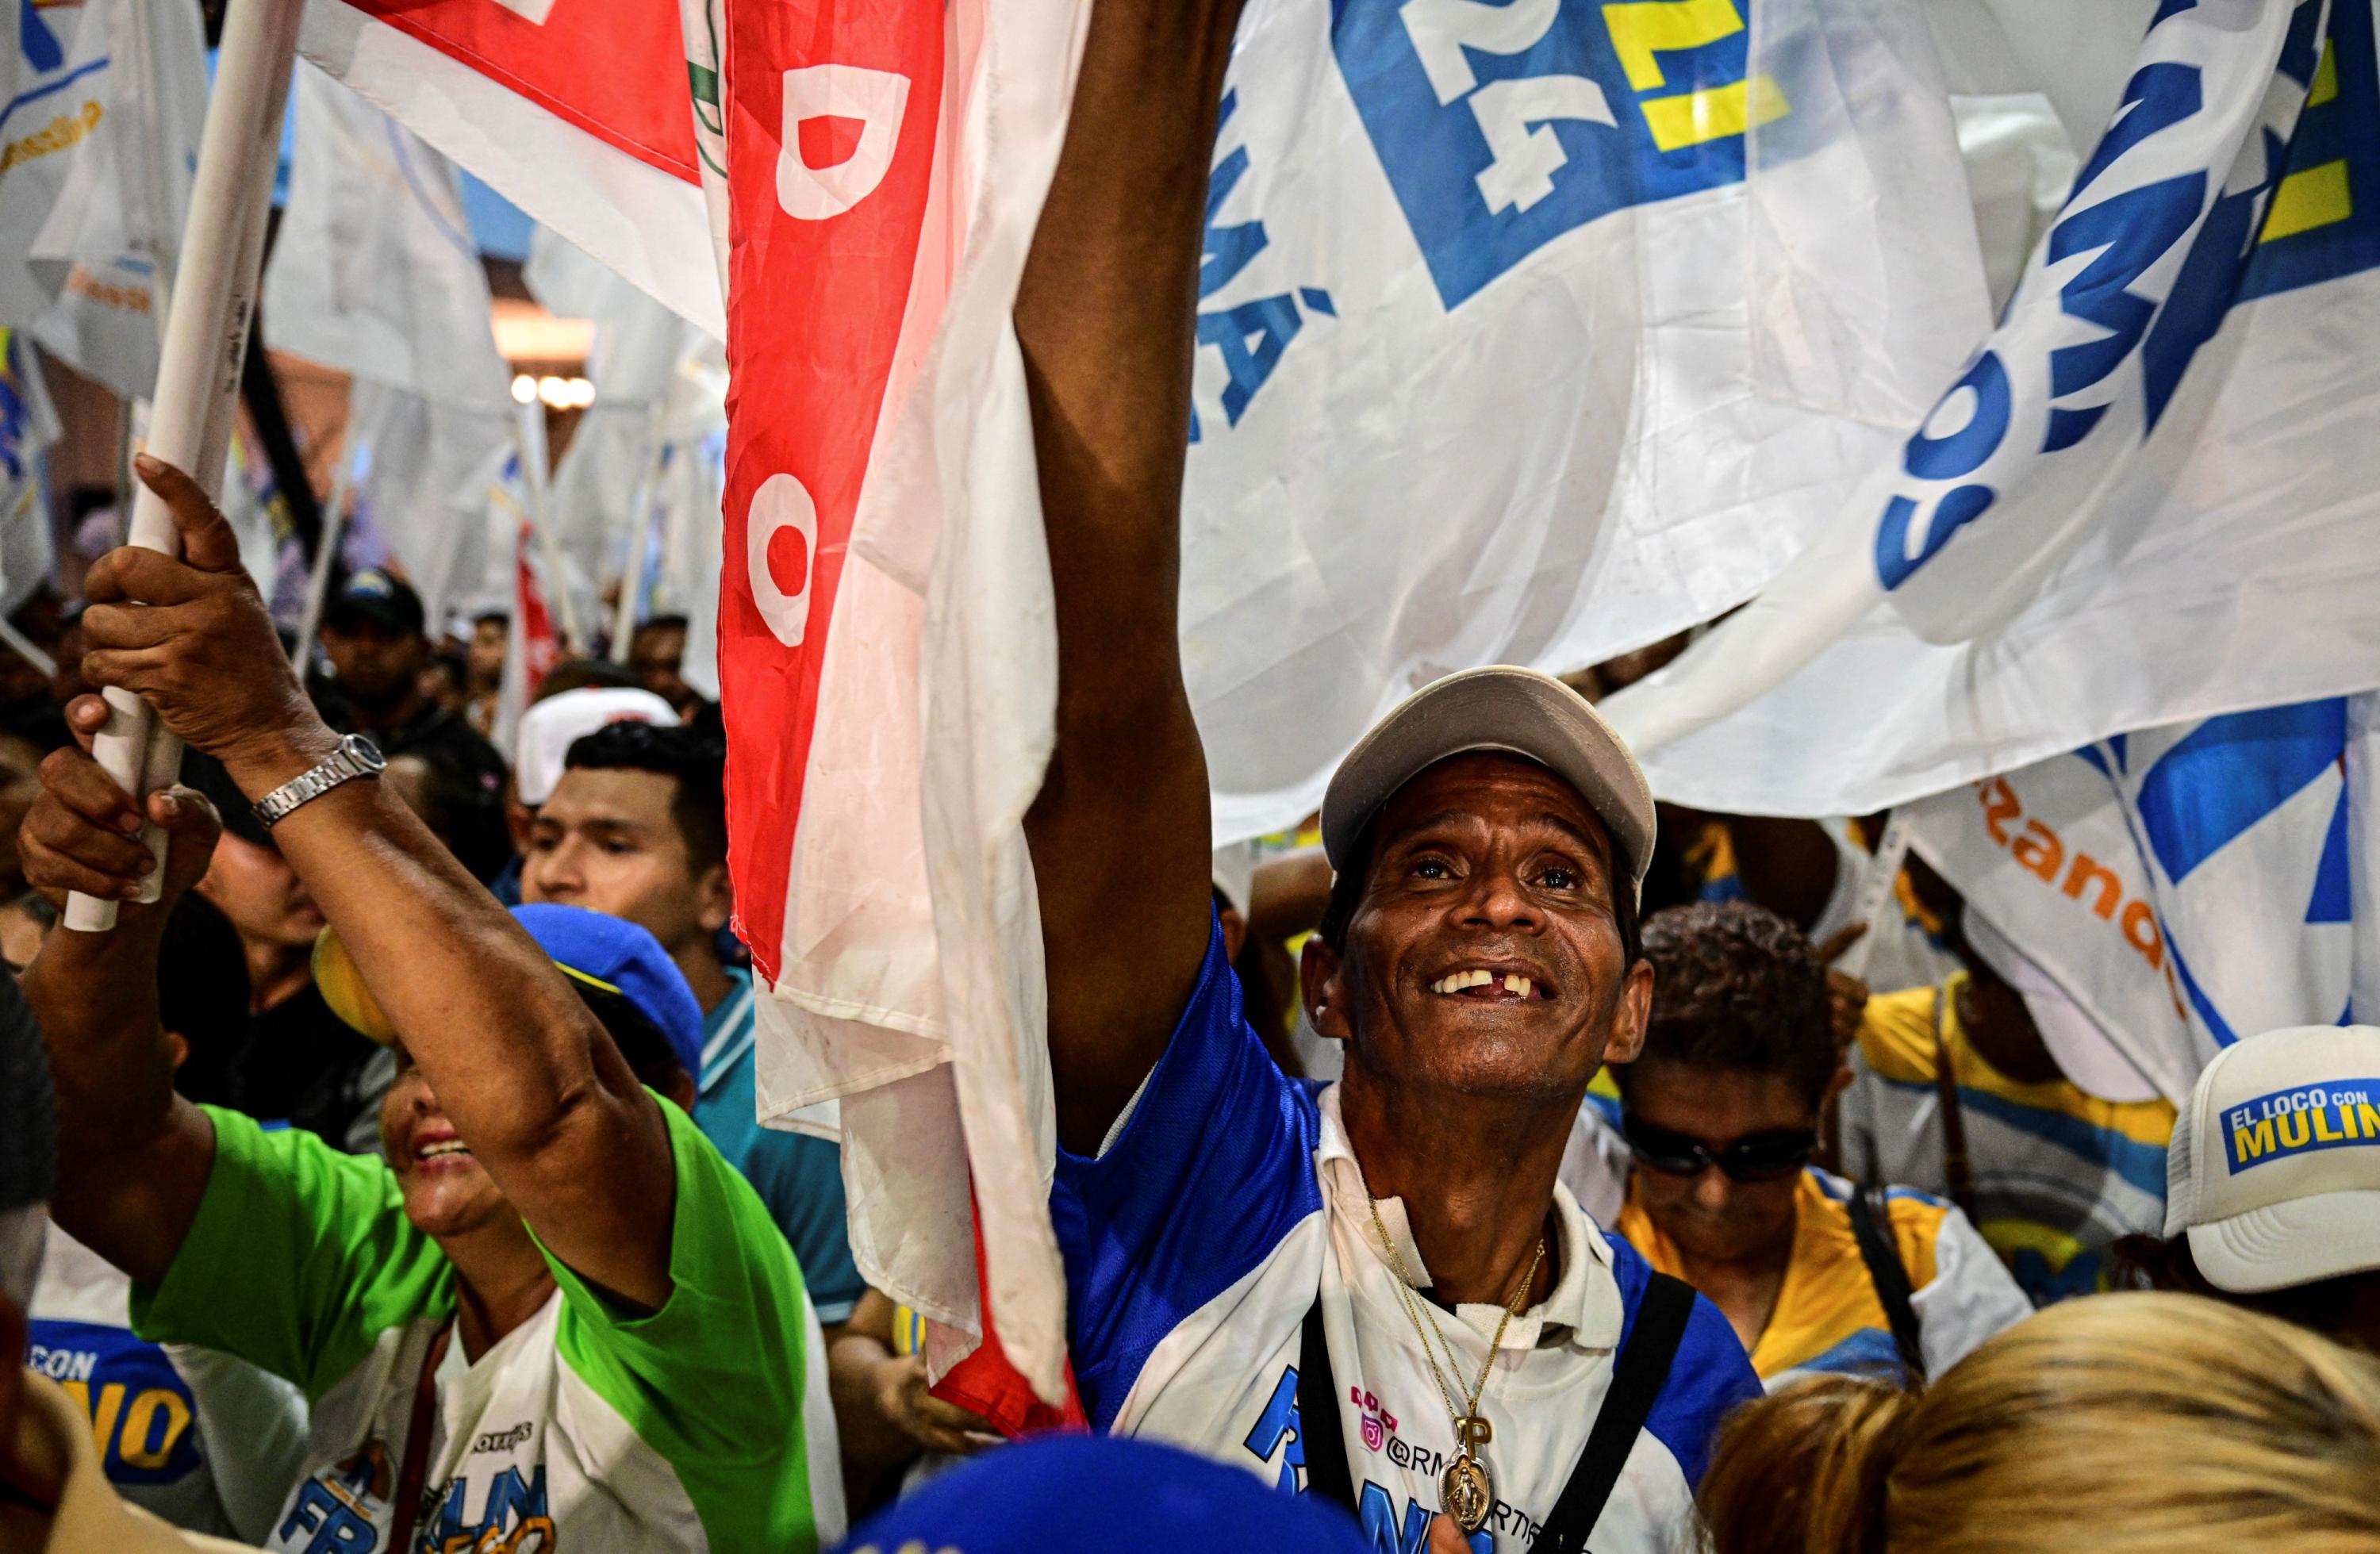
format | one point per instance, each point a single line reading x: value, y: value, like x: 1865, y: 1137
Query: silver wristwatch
x: 356, y: 756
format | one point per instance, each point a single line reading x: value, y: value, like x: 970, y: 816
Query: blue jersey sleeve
x: 1710, y: 1377
x: 1213, y: 1169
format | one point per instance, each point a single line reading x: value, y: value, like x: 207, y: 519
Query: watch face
x: 366, y: 753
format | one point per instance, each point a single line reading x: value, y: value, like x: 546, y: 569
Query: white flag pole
x: 536, y: 491
x: 1874, y: 899
x: 640, y: 531
x: 206, y: 338
x: 326, y: 556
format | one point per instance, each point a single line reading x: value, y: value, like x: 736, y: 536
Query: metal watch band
x: 356, y: 756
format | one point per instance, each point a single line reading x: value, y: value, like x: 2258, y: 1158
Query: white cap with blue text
x: 2275, y: 1167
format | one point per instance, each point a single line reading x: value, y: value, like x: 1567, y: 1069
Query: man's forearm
x: 872, y: 1442
x: 95, y: 995
x: 1105, y: 307
x: 519, y: 1065
x: 502, y: 1038
x: 1104, y: 319
x: 133, y: 1156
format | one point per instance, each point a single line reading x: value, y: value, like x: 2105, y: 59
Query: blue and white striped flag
x: 2151, y: 495
x: 2187, y: 885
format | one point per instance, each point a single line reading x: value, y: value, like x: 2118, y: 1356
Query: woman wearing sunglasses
x: 1717, y: 1122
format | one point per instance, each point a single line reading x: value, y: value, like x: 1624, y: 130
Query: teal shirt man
x: 635, y: 827
x: 800, y: 1177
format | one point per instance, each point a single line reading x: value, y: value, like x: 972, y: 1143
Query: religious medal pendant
x: 1465, y: 1493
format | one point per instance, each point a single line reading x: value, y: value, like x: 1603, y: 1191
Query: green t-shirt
x: 581, y: 1430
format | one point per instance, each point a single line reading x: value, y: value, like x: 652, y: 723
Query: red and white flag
x: 882, y: 491
x: 577, y: 111
x: 887, y: 661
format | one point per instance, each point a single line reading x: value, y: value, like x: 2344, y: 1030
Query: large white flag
x: 111, y: 240
x: 577, y: 111
x: 375, y: 272
x: 1503, y: 357
x: 55, y: 82
x: 2186, y: 886
x: 2147, y: 498
x: 612, y: 481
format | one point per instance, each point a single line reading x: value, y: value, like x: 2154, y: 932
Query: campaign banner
x: 885, y: 651
x: 2161, y: 454
x: 57, y: 82
x: 29, y: 424
x: 2186, y: 886
x: 1533, y: 333
x: 112, y: 239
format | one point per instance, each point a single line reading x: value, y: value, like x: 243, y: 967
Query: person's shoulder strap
x: 1872, y: 1225
x: 1637, y: 1376
x: 1957, y: 1165
x: 1319, y: 1434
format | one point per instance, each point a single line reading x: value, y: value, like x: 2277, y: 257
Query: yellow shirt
x: 1827, y: 1316
x: 2059, y: 1175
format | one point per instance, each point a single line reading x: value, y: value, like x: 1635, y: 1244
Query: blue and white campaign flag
x: 1533, y: 332
x: 29, y: 424
x: 2150, y: 495
x: 2185, y: 886
x: 110, y: 243
x: 55, y: 85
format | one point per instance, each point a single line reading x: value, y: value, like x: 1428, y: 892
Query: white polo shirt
x: 1199, y: 1239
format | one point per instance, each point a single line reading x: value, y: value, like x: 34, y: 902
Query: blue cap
x: 615, y: 953
x: 1078, y: 1494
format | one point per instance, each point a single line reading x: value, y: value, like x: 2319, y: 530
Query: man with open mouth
x: 1380, y: 1292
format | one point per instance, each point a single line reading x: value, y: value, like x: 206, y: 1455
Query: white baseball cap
x: 2274, y: 1165
x: 550, y: 727
x: 1502, y: 708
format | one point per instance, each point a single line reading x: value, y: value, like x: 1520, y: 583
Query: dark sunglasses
x: 1763, y: 1156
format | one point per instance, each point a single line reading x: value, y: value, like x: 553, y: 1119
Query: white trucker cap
x: 1502, y: 708
x: 2275, y: 1167
x: 550, y: 727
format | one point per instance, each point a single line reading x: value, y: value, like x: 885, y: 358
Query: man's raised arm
x: 520, y: 1066
x: 1104, y: 315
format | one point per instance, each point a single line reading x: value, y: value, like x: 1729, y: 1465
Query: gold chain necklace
x: 1464, y: 1491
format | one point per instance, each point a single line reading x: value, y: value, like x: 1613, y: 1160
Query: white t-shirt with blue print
x: 1196, y: 1241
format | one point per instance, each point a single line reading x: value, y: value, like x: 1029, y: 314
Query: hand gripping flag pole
x: 206, y: 337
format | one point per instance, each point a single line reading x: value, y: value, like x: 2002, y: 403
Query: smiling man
x: 1379, y: 1293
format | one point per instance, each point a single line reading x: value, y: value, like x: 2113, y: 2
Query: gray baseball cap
x: 1506, y: 709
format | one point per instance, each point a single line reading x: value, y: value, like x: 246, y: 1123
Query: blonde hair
x: 2126, y: 1423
